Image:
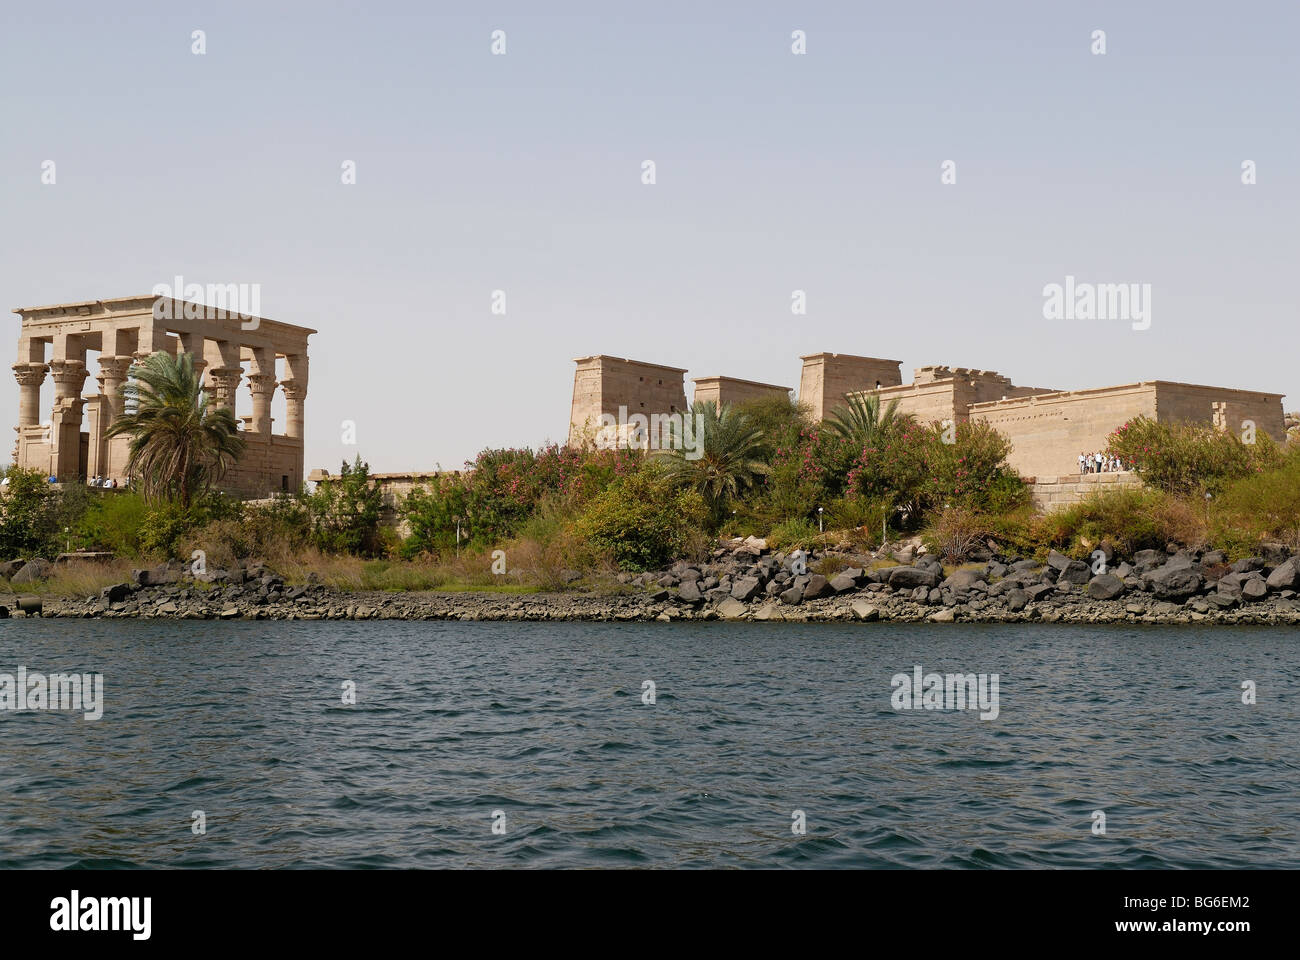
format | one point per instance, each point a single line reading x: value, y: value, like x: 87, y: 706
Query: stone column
x: 223, y: 382
x: 294, y: 395
x: 30, y: 376
x: 261, y: 386
x: 69, y: 377
x: 112, y: 377
x: 110, y: 453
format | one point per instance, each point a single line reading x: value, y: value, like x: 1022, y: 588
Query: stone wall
x: 720, y: 390
x: 1049, y: 431
x: 1225, y: 408
x: 828, y: 378
x: 602, y: 384
x: 1053, y: 493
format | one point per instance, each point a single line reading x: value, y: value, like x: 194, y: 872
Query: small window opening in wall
x: 643, y: 404
x: 672, y: 408
x: 284, y: 482
x: 640, y: 379
x: 661, y: 383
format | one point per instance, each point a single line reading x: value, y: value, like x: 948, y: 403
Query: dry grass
x: 76, y: 579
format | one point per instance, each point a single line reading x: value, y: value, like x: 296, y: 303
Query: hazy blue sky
x: 775, y: 172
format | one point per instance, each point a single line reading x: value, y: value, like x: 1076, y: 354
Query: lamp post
x: 819, y: 519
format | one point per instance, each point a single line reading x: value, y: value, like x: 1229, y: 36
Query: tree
x: 860, y: 420
x: 180, y: 443
x: 721, y: 460
x: 346, y: 511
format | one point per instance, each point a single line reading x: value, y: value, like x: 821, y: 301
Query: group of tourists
x: 1099, y: 463
x: 108, y: 483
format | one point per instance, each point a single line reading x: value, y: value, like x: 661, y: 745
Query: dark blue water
x: 546, y: 724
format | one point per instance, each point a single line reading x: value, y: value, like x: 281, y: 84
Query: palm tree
x: 861, y: 419
x: 721, y: 456
x: 180, y: 444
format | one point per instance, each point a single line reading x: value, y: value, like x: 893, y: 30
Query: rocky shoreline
x: 744, y: 581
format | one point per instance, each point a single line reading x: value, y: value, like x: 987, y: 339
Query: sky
x: 774, y: 172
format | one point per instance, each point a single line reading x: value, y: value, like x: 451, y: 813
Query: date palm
x: 860, y: 419
x: 180, y: 443
x: 722, y: 455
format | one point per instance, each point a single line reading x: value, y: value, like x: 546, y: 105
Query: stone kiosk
x: 69, y: 442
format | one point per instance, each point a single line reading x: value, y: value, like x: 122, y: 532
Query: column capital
x: 68, y: 375
x: 260, y: 383
x: 29, y: 374
x: 294, y: 389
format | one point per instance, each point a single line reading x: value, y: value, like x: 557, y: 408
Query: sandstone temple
x: 67, y: 440
x: 1048, y: 428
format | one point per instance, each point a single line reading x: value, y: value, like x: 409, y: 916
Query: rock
x: 745, y: 587
x: 1105, y: 586
x: 1285, y: 576
x: 1135, y: 608
x: 1175, y: 584
x: 904, y: 556
x: 946, y: 615
x: 843, y: 583
x: 1247, y: 565
x: 4, y: 612
x: 1017, y: 600
x: 167, y: 609
x: 865, y: 611
x: 1148, y: 558
x: 229, y: 612
x: 116, y: 593
x: 1058, y: 561
x: 1253, y: 589
x: 1038, y: 591
x: 656, y: 596
x: 769, y: 611
x: 1222, y: 601
x: 1213, y: 558
x: 9, y: 567
x: 731, y: 609
x: 793, y: 596
x: 689, y: 592
x: 912, y: 577
x: 997, y: 570
x: 1077, y: 573
x: 962, y: 580
x: 1274, y: 553
x: 817, y: 586
x: 1024, y: 566
x: 37, y: 568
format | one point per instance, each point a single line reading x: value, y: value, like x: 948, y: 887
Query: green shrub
x: 1190, y: 458
x: 794, y: 534
x: 345, y: 512
x: 28, y: 516
x: 644, y: 521
x: 1258, y: 508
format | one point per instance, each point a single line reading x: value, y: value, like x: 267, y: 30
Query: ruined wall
x: 602, y: 384
x: 1227, y: 409
x: 1049, y: 431
x: 1053, y: 493
x: 720, y: 390
x: 827, y: 378
x: 939, y: 393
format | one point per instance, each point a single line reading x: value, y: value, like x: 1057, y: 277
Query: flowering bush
x: 1190, y: 458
